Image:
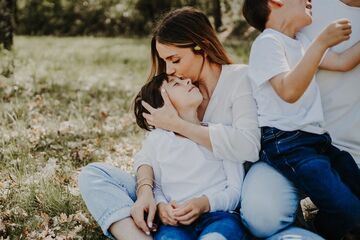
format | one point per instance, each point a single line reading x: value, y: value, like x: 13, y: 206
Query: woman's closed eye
x: 176, y: 61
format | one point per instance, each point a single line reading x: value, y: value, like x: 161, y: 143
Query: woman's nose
x: 169, y: 69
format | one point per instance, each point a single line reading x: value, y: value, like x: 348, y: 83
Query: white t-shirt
x: 273, y: 53
x: 184, y: 170
x: 339, y: 91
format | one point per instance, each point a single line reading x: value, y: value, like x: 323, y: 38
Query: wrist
x: 145, y: 191
x: 205, y: 204
x: 178, y: 125
x: 320, y: 45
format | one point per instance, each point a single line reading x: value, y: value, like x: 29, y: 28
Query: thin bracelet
x: 142, y: 179
x: 141, y: 185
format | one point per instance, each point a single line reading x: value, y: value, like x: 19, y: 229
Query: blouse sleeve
x: 239, y: 142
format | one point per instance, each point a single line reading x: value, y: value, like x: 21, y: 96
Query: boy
x: 189, y: 179
x: 282, y: 67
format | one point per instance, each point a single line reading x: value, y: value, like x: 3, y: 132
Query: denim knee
x: 212, y: 236
x: 269, y: 201
x: 86, y: 176
x: 167, y: 232
x: 108, y: 193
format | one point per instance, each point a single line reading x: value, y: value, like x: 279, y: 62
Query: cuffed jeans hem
x: 112, y: 217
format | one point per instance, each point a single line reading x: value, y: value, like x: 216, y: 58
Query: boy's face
x: 299, y: 11
x: 182, y: 93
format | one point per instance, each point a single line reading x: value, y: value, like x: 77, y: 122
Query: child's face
x: 182, y: 93
x: 299, y: 11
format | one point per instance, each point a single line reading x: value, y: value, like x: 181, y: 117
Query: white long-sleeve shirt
x: 184, y: 170
x: 232, y: 114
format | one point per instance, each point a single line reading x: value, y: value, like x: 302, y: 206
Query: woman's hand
x: 145, y: 204
x: 188, y: 212
x: 166, y: 213
x: 164, y: 117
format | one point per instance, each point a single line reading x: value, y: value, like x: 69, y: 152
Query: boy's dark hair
x: 256, y: 13
x: 151, y: 94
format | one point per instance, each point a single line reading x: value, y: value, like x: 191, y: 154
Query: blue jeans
x: 269, y: 201
x: 109, y: 194
x: 329, y: 176
x: 209, y: 226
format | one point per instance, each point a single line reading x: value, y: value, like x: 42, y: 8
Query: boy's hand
x: 188, y: 212
x: 335, y: 33
x: 166, y: 214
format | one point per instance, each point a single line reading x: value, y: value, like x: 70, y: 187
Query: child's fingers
x: 347, y: 32
x: 345, y: 26
x: 343, y: 21
x: 188, y: 218
x: 174, y: 204
x: 182, y: 211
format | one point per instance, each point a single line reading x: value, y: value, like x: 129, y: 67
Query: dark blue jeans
x: 329, y: 176
x: 214, y: 225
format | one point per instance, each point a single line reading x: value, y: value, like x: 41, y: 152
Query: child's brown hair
x: 151, y: 94
x: 256, y: 13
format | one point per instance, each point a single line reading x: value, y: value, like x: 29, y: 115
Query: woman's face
x: 182, y: 93
x: 180, y: 62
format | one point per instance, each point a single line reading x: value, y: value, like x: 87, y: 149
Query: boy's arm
x: 344, y: 61
x: 291, y: 85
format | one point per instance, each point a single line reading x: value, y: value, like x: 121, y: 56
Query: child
x: 189, y: 180
x: 282, y: 68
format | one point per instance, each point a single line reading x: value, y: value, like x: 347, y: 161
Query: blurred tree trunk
x: 217, y: 14
x: 7, y: 22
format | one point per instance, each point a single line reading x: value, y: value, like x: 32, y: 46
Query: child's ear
x: 276, y: 3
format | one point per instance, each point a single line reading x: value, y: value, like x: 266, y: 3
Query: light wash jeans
x: 268, y: 206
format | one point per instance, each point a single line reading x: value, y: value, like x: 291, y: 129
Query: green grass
x: 65, y: 102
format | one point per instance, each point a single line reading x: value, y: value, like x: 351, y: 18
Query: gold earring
x: 197, y: 48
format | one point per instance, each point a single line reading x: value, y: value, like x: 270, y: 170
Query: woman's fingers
x: 165, y: 97
x: 149, y: 118
x: 147, y: 106
x: 138, y: 217
x: 151, y: 215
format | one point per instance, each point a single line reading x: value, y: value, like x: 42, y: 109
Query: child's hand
x: 166, y: 214
x: 335, y: 33
x: 188, y: 212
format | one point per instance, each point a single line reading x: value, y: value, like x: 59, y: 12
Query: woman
x: 185, y: 45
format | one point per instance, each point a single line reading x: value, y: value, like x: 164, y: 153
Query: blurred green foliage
x: 109, y: 17
x: 93, y: 17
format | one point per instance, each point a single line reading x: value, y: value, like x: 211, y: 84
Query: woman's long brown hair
x: 186, y: 28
